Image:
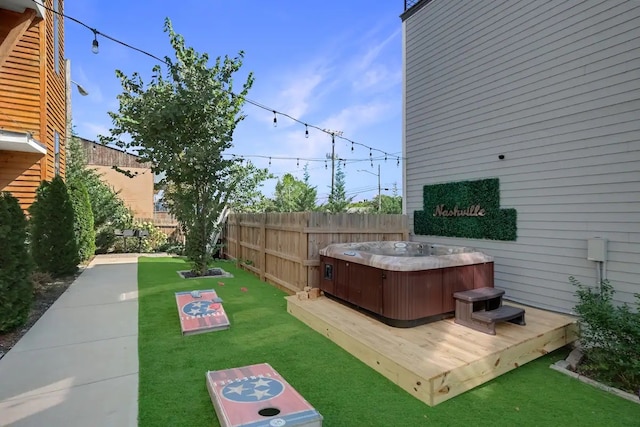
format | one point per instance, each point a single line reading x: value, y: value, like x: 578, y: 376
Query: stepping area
x: 482, y: 308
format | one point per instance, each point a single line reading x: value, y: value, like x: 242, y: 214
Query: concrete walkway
x: 78, y: 365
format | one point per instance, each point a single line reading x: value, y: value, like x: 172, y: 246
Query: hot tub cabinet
x: 406, y: 287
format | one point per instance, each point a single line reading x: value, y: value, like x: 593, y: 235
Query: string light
x: 297, y: 163
x: 306, y: 130
x: 325, y: 165
x: 95, y: 47
x: 269, y: 161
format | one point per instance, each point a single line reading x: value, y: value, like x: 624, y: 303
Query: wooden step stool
x: 482, y: 308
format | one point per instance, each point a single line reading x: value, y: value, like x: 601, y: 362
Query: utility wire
x: 96, y: 32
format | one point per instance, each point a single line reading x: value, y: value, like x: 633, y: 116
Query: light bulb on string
x: 351, y: 145
x: 306, y: 131
x: 269, y: 161
x: 371, y: 162
x: 344, y: 163
x: 385, y: 157
x: 325, y: 165
x: 94, y: 44
x: 275, y: 119
x: 398, y: 164
x: 297, y: 163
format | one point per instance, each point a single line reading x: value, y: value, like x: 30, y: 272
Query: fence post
x: 263, y: 238
x: 238, y: 236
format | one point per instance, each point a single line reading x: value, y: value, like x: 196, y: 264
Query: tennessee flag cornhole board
x: 201, y: 311
x: 257, y: 396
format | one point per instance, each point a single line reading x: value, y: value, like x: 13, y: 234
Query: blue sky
x: 334, y: 64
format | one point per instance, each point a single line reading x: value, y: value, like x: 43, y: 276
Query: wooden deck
x: 440, y: 360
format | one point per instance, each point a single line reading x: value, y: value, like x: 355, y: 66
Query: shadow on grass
x: 343, y: 389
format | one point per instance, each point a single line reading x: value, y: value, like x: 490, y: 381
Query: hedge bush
x: 155, y: 239
x: 16, y: 293
x: 610, y: 336
x: 494, y: 224
x: 83, y: 219
x: 53, y: 240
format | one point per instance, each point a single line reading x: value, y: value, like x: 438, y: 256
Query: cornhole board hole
x: 200, y: 314
x: 257, y: 396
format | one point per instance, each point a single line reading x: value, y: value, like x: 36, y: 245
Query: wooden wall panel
x: 32, y: 99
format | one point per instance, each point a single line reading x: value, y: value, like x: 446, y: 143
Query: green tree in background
x: 294, y: 195
x: 182, y: 122
x: 16, y: 290
x: 307, y: 200
x: 53, y: 240
x: 390, y: 204
x: 109, y: 211
x: 338, y: 200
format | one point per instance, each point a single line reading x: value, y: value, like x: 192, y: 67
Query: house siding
x: 32, y: 99
x: 555, y: 88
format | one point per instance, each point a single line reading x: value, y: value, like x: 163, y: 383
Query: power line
x: 96, y: 32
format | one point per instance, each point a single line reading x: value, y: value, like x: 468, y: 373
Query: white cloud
x: 294, y: 99
x: 92, y: 130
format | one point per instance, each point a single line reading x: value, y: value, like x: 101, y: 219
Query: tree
x: 53, y: 240
x: 338, y: 200
x: 293, y: 195
x: 16, y: 290
x: 108, y: 209
x: 82, y: 218
x: 390, y: 204
x: 308, y: 194
x: 181, y: 123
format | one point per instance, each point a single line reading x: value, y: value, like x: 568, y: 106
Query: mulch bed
x: 212, y: 272
x: 43, y: 299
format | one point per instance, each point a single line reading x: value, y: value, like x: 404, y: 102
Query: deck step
x: 501, y: 314
x: 479, y: 294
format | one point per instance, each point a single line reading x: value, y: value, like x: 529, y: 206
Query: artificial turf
x: 172, y: 389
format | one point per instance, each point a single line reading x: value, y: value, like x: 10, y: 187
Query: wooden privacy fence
x: 283, y: 248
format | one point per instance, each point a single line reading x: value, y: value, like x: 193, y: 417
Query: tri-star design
x: 200, y: 308
x: 251, y: 390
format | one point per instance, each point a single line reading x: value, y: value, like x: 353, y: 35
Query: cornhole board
x: 198, y: 315
x: 257, y: 396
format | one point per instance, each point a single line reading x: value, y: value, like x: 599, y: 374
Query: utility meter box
x: 597, y: 249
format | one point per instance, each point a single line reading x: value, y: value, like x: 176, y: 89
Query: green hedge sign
x: 468, y: 209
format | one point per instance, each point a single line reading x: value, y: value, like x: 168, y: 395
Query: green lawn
x: 344, y: 390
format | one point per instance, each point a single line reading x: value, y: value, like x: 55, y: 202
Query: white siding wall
x: 555, y: 87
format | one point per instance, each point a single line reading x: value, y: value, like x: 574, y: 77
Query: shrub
x: 40, y: 282
x: 82, y: 219
x: 53, y: 241
x: 16, y: 294
x: 109, y: 211
x: 155, y: 239
x: 610, y: 336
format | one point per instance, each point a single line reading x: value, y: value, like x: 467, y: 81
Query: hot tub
x: 403, y: 284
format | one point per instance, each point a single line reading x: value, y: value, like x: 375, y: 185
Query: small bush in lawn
x: 83, y: 219
x: 610, y: 336
x: 16, y: 293
x: 53, y: 240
